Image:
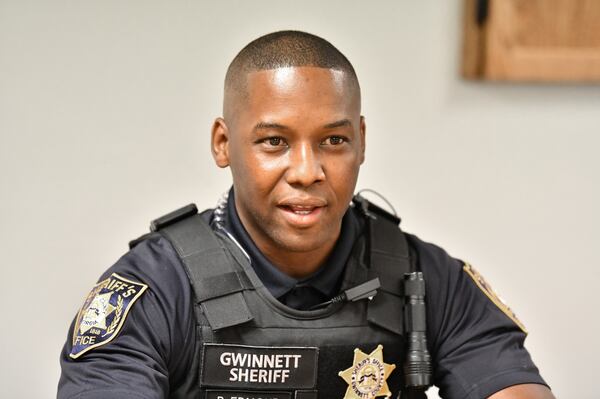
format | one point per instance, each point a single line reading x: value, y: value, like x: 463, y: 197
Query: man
x: 260, y: 304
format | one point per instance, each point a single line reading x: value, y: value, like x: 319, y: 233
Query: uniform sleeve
x: 477, y: 349
x: 153, y: 349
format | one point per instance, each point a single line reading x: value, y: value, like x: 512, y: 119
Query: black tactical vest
x: 251, y: 346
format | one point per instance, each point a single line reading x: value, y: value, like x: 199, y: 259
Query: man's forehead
x: 297, y: 78
x: 269, y: 87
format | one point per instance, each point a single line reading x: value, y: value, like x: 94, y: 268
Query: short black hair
x: 287, y: 48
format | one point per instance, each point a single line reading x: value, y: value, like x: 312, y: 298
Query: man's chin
x: 303, y: 241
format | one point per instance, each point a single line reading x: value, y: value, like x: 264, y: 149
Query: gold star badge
x: 367, y: 376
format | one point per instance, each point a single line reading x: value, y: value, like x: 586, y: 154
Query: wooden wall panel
x: 532, y: 40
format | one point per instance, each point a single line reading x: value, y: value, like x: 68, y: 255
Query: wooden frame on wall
x: 532, y: 40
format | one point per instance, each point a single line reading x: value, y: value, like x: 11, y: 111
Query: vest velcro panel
x: 216, y: 283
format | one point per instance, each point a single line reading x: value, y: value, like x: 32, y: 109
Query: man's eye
x: 334, y: 140
x: 275, y: 141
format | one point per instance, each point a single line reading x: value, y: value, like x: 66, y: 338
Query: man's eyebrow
x: 269, y: 125
x: 340, y: 123
x: 277, y: 126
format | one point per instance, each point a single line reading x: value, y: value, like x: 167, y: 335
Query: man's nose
x: 305, y: 166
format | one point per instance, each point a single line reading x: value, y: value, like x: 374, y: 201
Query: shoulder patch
x: 491, y: 294
x: 103, y: 313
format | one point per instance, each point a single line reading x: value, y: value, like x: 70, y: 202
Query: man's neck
x: 296, y: 264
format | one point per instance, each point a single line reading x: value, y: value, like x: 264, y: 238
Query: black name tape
x: 259, y: 367
x: 247, y: 395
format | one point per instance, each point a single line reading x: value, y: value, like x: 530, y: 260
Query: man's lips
x: 302, y: 212
x: 302, y: 204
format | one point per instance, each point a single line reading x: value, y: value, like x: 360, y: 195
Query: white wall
x: 105, y: 109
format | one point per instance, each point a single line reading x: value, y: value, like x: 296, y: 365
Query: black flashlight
x: 417, y: 364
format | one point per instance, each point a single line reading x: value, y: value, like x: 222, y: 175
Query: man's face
x: 294, y: 143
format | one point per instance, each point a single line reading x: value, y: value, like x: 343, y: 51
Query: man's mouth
x: 300, y: 209
x: 302, y: 213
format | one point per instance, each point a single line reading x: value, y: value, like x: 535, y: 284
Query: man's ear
x: 363, y: 143
x: 219, y: 143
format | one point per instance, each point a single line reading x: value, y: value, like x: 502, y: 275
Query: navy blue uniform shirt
x: 476, y: 349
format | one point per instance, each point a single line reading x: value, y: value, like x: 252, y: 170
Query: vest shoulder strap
x: 217, y: 285
x: 388, y: 258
